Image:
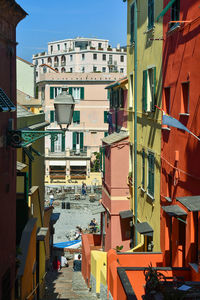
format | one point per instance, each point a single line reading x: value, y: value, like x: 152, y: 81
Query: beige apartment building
x: 70, y: 156
x: 82, y: 55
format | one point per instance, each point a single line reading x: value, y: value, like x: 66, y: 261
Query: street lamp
x: 64, y: 107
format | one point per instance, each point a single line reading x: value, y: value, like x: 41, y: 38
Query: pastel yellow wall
x: 98, y: 262
x: 149, y: 53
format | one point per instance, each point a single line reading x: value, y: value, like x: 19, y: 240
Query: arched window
x: 63, y: 61
x: 49, y: 61
x: 56, y: 61
x: 63, y: 70
x: 56, y: 69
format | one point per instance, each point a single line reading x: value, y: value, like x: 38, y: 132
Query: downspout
x: 135, y: 119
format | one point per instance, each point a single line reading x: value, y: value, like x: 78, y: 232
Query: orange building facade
x: 180, y: 173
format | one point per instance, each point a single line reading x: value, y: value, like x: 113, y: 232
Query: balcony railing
x: 81, y: 152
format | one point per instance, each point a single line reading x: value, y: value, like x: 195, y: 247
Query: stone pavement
x: 67, y: 285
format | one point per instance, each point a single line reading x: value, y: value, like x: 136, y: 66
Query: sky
x: 49, y: 21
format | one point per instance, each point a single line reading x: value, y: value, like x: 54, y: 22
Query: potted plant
x: 153, y: 283
x: 119, y: 248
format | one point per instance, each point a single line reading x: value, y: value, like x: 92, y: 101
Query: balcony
x: 81, y: 152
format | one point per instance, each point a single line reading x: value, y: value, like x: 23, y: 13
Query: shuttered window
x: 81, y: 140
x: 105, y: 117
x: 150, y: 14
x: 74, y: 140
x: 63, y: 142
x: 151, y: 165
x: 108, y: 94
x: 52, y: 145
x: 132, y: 16
x: 52, y: 116
x: 77, y: 92
x: 76, y: 117
x: 143, y: 168
x: 149, y: 90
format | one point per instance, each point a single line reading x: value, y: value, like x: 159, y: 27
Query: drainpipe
x: 135, y: 119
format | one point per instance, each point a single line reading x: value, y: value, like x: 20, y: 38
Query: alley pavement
x: 67, y: 285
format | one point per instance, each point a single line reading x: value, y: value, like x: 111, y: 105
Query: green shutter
x: 74, y: 140
x: 154, y: 89
x: 52, y: 145
x: 108, y: 94
x: 63, y: 142
x: 150, y: 14
x: 81, y: 140
x: 111, y: 98
x: 82, y: 93
x: 70, y: 90
x: 143, y: 168
x: 51, y: 92
x: 151, y: 163
x: 78, y: 116
x: 105, y: 133
x: 144, y: 92
x: 52, y: 116
x: 105, y: 116
x: 36, y: 92
x: 121, y: 103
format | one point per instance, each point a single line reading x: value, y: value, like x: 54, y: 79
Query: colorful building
x: 70, y: 156
x: 180, y: 200
x: 10, y: 15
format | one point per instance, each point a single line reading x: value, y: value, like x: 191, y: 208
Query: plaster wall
x: 25, y: 77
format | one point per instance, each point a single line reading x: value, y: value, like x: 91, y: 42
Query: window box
x: 92, y: 48
x: 100, y: 48
x: 109, y: 49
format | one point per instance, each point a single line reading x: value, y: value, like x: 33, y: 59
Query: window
x: 151, y: 163
x: 44, y: 69
x: 58, y: 47
x: 175, y: 13
x: 94, y: 56
x: 71, y: 70
x: 76, y: 117
x: 52, y: 145
x: 77, y: 92
x: 132, y: 25
x: 121, y: 70
x: 185, y: 98
x: 94, y: 69
x: 105, y: 117
x: 71, y: 57
x: 55, y: 91
x: 83, y: 69
x: 43, y: 93
x: 104, y: 69
x: 143, y: 169
x: 149, y: 89
x: 104, y: 57
x: 131, y: 91
x: 51, y: 49
x: 166, y: 104
x: 122, y: 58
x: 42, y: 60
x: 83, y: 56
x: 52, y: 116
x: 78, y: 140
x: 65, y: 45
x: 99, y: 45
x: 63, y: 70
x: 150, y: 14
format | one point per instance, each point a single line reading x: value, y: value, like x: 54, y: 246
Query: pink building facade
x: 70, y: 156
x: 115, y: 221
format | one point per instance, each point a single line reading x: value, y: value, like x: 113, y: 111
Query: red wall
x: 8, y: 21
x: 181, y: 63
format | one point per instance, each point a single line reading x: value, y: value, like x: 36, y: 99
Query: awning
x: 167, y: 7
x: 115, y: 137
x: 174, y: 210
x: 42, y: 233
x: 192, y: 203
x: 144, y: 228
x: 98, y: 210
x: 125, y: 214
x: 20, y: 166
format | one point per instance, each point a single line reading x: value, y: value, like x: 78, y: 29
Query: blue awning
x: 167, y: 7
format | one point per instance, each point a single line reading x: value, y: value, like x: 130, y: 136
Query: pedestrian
x: 77, y: 264
x: 51, y: 199
x: 83, y: 188
x: 56, y: 264
x: 63, y: 262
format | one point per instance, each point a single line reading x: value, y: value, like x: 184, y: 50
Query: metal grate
x: 5, y: 103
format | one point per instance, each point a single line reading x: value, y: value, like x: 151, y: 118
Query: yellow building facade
x: 144, y: 71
